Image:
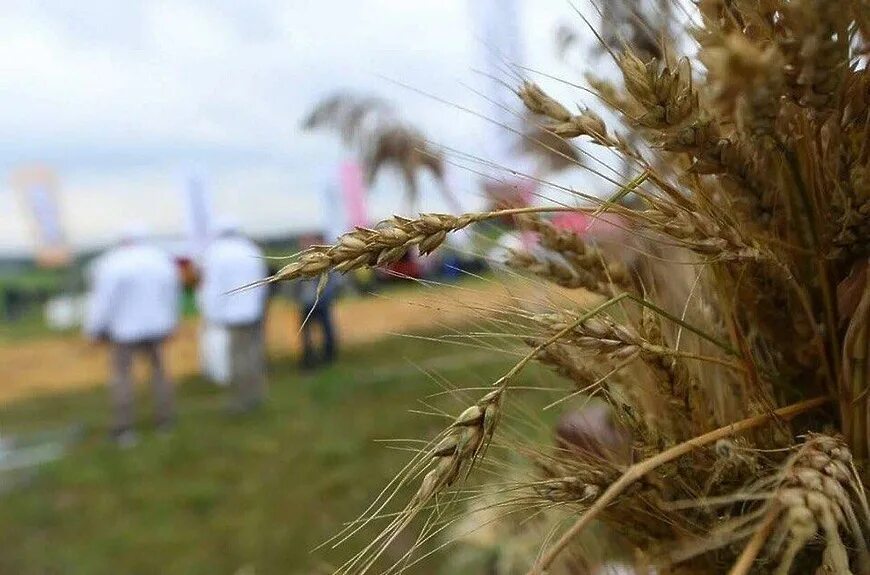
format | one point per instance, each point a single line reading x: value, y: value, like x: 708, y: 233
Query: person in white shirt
x: 134, y: 306
x: 230, y: 262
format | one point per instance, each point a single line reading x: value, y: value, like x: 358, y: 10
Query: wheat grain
x: 384, y: 244
x: 816, y: 494
x: 467, y: 437
x: 563, y: 123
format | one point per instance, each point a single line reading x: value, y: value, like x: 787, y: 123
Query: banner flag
x: 37, y: 187
x: 353, y: 189
x: 200, y: 214
x: 501, y: 54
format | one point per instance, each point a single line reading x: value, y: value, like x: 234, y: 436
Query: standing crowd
x: 134, y: 307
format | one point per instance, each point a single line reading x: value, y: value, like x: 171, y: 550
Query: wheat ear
x: 638, y: 470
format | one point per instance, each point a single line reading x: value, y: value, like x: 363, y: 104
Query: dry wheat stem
x: 732, y: 531
x: 638, y: 470
x: 756, y: 544
x: 623, y: 192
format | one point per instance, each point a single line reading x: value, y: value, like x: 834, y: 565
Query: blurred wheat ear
x: 371, y: 127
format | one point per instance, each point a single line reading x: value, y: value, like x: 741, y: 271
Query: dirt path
x: 62, y: 363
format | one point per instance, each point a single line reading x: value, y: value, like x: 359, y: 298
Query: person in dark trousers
x: 315, y: 312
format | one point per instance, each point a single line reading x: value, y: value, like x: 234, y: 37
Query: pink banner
x: 37, y: 187
x: 353, y: 191
x: 604, y: 226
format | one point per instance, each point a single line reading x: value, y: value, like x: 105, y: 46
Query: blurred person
x: 134, y: 306
x: 459, y: 258
x: 315, y: 309
x: 232, y: 261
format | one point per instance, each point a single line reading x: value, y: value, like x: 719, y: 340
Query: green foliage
x: 222, y: 495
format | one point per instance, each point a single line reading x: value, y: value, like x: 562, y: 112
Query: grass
x: 224, y: 495
x: 31, y: 325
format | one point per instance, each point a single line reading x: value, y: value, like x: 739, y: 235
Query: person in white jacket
x: 134, y: 306
x: 232, y: 261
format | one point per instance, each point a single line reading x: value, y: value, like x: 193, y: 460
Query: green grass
x: 31, y: 325
x: 223, y: 495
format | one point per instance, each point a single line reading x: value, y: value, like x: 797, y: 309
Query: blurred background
x: 298, y: 120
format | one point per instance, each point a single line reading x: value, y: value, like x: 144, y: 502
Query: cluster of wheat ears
x: 734, y: 350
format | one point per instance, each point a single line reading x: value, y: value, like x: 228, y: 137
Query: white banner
x: 334, y: 216
x: 496, y: 23
x: 200, y: 214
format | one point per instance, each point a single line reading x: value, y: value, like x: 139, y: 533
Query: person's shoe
x: 125, y: 438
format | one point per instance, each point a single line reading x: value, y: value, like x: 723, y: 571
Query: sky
x: 124, y: 100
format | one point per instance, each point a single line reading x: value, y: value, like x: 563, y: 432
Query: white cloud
x: 123, y: 97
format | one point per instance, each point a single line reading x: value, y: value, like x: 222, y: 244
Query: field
x: 224, y: 495
x: 34, y: 361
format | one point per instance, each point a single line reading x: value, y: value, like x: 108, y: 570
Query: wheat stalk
x: 638, y: 470
x: 749, y: 224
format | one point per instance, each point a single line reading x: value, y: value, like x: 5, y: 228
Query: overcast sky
x: 124, y: 99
